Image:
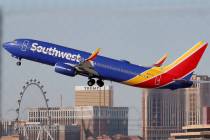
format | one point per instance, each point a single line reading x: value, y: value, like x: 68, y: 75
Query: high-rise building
x: 163, y: 113
x: 197, y: 97
x: 93, y: 121
x: 206, y: 115
x: 166, y: 111
x: 94, y: 96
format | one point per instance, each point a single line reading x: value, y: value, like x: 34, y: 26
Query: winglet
x: 93, y: 55
x: 161, y: 61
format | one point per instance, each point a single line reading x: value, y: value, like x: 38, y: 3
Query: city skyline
x: 164, y: 27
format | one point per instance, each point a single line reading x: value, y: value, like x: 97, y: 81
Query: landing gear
x: 19, y: 62
x: 100, y: 83
x: 91, y: 82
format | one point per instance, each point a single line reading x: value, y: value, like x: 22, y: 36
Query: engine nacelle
x: 65, y: 69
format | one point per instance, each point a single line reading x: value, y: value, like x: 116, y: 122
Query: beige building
x: 166, y: 111
x: 193, y: 132
x: 197, y: 97
x: 94, y: 96
x: 12, y: 137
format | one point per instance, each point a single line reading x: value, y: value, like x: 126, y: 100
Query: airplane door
x: 24, y: 45
x: 157, y: 80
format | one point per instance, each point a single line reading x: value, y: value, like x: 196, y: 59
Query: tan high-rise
x: 94, y: 96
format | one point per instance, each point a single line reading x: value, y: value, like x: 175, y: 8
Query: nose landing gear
x: 19, y: 62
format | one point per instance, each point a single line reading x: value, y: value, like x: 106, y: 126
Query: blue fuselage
x: 50, y: 54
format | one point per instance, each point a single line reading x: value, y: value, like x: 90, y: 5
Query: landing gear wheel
x: 91, y: 82
x: 18, y: 63
x: 100, y: 83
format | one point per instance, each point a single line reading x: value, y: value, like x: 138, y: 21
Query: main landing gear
x: 100, y: 83
x: 92, y: 81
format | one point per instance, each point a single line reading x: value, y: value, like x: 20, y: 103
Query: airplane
x: 72, y: 62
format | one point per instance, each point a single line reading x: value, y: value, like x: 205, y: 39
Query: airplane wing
x: 87, y: 67
x: 161, y: 61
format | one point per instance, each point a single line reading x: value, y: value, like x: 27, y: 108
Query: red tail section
x: 187, y: 63
x: 181, y: 68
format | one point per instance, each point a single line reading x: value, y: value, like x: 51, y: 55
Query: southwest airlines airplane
x: 72, y: 62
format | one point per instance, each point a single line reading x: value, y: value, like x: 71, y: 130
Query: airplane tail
x: 184, y: 66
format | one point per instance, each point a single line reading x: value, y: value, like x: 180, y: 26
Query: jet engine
x: 65, y: 69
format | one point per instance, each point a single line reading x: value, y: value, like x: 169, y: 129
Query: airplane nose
x: 6, y: 45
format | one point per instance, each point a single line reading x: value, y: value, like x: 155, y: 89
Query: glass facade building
x: 166, y: 111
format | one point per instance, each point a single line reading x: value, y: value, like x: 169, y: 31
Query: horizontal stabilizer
x: 199, y: 81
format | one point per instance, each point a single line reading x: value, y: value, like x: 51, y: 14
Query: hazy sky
x: 139, y: 31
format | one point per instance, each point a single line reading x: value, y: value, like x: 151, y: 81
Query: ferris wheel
x: 19, y: 124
